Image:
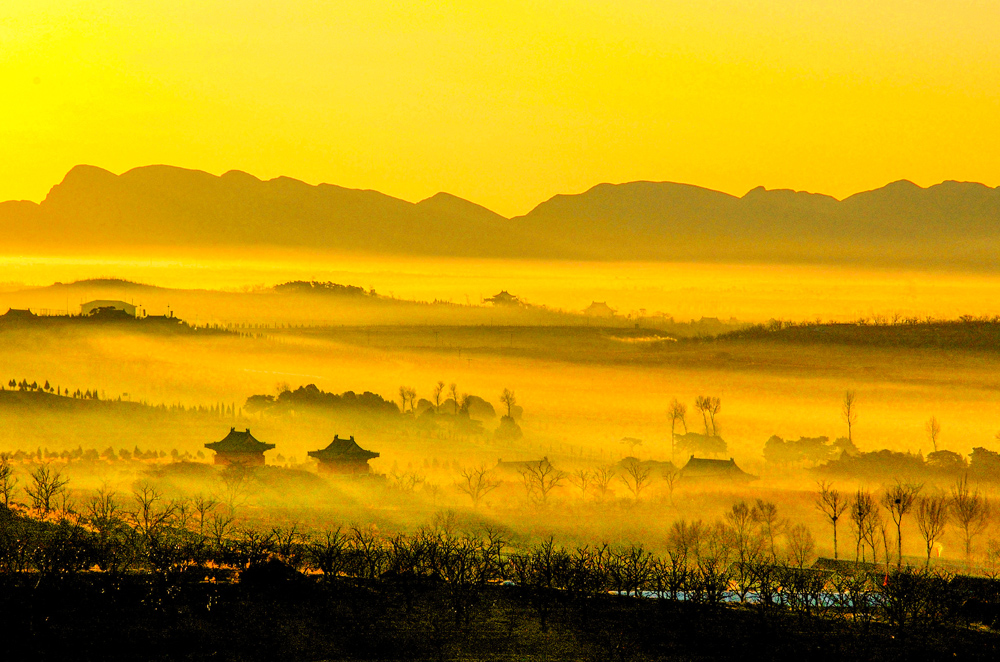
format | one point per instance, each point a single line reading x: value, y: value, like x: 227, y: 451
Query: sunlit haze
x: 504, y: 103
x: 524, y: 330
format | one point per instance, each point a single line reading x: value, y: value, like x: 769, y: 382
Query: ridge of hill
x: 951, y: 222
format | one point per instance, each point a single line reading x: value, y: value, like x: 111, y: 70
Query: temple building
x: 343, y: 456
x: 239, y: 448
x: 698, y: 468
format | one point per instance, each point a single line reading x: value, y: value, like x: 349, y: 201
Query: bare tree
x: 933, y: 430
x: 438, y: 390
x: 602, y: 479
x: 743, y: 527
x: 709, y: 407
x: 800, y: 544
x: 404, y: 397
x: 865, y: 518
x: 508, y: 400
x: 970, y: 512
x: 831, y: 503
x: 635, y: 477
x: 221, y: 526
x: 850, y: 413
x: 540, y: 478
x: 898, y: 500
x: 714, y: 406
x: 236, y: 479
x: 765, y: 513
x: 103, y: 510
x: 46, y: 484
x: 411, y: 393
x: 581, y: 478
x: 932, y: 519
x: 477, y: 483
x: 150, y: 517
x: 405, y: 482
x: 684, y: 541
x: 676, y: 412
x: 8, y: 481
x: 203, y: 507
x: 453, y: 390
x: 670, y: 476
x: 701, y: 404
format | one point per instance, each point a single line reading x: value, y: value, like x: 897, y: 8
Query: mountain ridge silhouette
x: 166, y: 206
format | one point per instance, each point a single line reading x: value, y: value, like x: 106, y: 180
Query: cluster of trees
x: 708, y: 406
x: 321, y: 287
x: 311, y: 397
x: 983, y: 464
x: 738, y: 559
x: 805, y: 450
x: 967, y: 331
x: 23, y: 385
x: 219, y: 409
x: 709, y: 443
x: 876, y: 519
x: 92, y: 455
x: 540, y: 478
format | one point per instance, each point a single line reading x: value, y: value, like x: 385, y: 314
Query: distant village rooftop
x: 239, y: 448
x: 599, y: 309
x: 504, y: 298
x: 706, y: 469
x: 92, y: 307
x: 343, y: 456
x: 18, y: 314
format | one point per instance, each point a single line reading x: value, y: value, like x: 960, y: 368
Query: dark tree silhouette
x: 46, y: 484
x: 849, y: 411
x: 932, y: 519
x: 970, y: 511
x: 933, y: 430
x: 509, y: 400
x: 898, y: 500
x: 477, y: 482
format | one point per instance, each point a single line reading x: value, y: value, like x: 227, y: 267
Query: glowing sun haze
x: 505, y: 103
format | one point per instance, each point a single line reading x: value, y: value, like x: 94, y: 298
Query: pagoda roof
x: 343, y: 449
x: 239, y: 442
x: 699, y: 467
x: 19, y: 314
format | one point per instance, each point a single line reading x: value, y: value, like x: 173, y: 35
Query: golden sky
x: 505, y: 103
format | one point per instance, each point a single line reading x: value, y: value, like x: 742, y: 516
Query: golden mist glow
x: 504, y: 103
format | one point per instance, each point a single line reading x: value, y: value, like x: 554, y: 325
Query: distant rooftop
x: 91, y: 307
x: 699, y: 467
x: 343, y: 449
x: 18, y: 314
x: 239, y: 442
x: 599, y: 309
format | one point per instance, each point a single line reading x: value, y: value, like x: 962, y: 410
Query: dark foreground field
x: 147, y: 584
x: 270, y: 617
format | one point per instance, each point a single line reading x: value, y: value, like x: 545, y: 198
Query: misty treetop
x: 326, y: 288
x: 966, y: 332
x: 805, y: 450
x: 983, y: 464
x: 311, y: 397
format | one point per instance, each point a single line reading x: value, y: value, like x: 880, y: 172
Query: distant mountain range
x: 163, y: 206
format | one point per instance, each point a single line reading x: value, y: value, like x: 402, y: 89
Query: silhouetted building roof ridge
x: 703, y: 467
x: 19, y: 313
x: 239, y: 442
x: 343, y: 449
x: 599, y: 308
x: 518, y: 464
